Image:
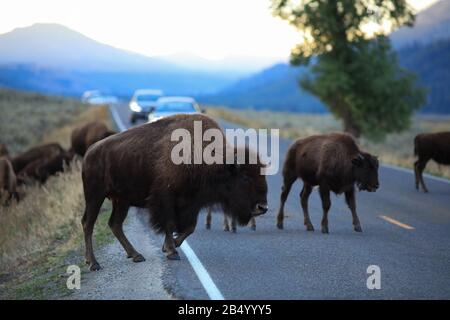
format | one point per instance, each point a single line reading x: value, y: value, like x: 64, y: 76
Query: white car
x: 143, y: 102
x: 95, y: 97
x: 168, y: 106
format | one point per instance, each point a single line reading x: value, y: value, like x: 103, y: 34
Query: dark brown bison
x: 20, y: 161
x: 430, y: 146
x: 227, y: 224
x: 3, y: 150
x: 334, y: 163
x: 8, y: 181
x: 85, y: 136
x: 135, y: 168
x: 41, y: 169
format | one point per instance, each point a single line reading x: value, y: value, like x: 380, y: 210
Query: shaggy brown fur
x: 85, y: 136
x: 134, y: 168
x: 8, y: 181
x: 227, y: 226
x: 430, y: 146
x: 334, y: 163
x: 3, y: 150
x: 43, y: 151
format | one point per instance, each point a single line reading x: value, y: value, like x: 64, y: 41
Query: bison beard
x: 134, y: 168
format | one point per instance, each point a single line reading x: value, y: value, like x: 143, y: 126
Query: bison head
x: 245, y: 192
x: 365, y: 168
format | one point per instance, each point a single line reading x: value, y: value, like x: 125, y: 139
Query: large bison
x: 430, y: 146
x: 334, y: 163
x: 20, y: 161
x: 135, y: 168
x: 8, y: 181
x: 85, y: 136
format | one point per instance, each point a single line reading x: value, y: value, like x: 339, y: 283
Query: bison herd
x: 37, y: 164
x: 134, y: 168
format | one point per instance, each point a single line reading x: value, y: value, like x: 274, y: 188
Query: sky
x: 211, y: 29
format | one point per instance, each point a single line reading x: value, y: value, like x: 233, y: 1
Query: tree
x: 356, y: 74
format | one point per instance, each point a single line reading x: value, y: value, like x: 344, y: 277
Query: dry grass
x: 397, y: 149
x: 47, y: 220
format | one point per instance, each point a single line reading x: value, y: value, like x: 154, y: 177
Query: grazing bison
x: 8, y: 181
x: 3, y: 150
x: 85, y: 136
x: 43, y: 151
x: 226, y: 222
x: 430, y: 146
x: 135, y: 168
x: 41, y: 169
x: 334, y: 163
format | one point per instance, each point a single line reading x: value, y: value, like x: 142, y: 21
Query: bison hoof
x: 163, y: 249
x: 208, y: 227
x: 226, y: 229
x: 325, y: 230
x: 309, y: 227
x: 253, y: 228
x: 358, y: 229
x: 280, y: 225
x: 233, y: 230
x: 173, y: 256
x: 138, y: 258
x: 94, y: 266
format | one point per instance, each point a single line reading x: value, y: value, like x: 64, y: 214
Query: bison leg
x: 326, y: 204
x: 304, y: 196
x: 253, y: 223
x: 226, y: 225
x: 182, y: 236
x: 350, y: 199
x: 419, y: 166
x: 284, y: 194
x: 169, y: 246
x: 88, y: 221
x: 208, y: 219
x: 118, y: 215
x: 233, y: 224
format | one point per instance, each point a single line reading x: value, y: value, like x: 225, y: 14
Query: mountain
x: 56, y: 46
x: 52, y: 58
x: 431, y: 24
x: 275, y: 88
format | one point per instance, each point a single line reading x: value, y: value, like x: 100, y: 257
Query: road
x: 406, y: 234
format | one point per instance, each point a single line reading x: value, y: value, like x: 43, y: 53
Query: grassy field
x: 397, y: 149
x: 41, y: 235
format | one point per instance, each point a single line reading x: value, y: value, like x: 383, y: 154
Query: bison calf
x: 334, y: 163
x: 227, y: 223
x: 430, y: 146
x: 41, y: 169
x: 85, y: 136
x: 36, y: 153
x: 8, y: 181
x: 135, y: 168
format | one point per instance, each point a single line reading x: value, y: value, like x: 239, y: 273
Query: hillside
x: 431, y: 24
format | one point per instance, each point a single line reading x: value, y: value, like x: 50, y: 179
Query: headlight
x: 135, y: 107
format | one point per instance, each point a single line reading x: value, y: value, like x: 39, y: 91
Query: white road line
x: 201, y: 272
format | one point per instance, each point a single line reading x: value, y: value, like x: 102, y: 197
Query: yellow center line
x: 397, y: 223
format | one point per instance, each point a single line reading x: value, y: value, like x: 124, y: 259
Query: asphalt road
x: 406, y: 234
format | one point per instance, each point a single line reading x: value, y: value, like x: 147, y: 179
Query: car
x: 143, y: 102
x: 168, y: 106
x: 97, y: 98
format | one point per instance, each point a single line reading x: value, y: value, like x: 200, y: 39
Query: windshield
x: 176, y: 107
x: 147, y: 97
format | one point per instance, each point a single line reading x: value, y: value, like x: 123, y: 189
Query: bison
x: 226, y: 222
x: 8, y: 181
x: 430, y: 146
x: 41, y: 169
x: 334, y: 163
x: 135, y: 168
x: 85, y: 136
x: 36, y: 153
x: 3, y: 150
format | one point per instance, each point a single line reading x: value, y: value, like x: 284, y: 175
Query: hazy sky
x: 209, y: 28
